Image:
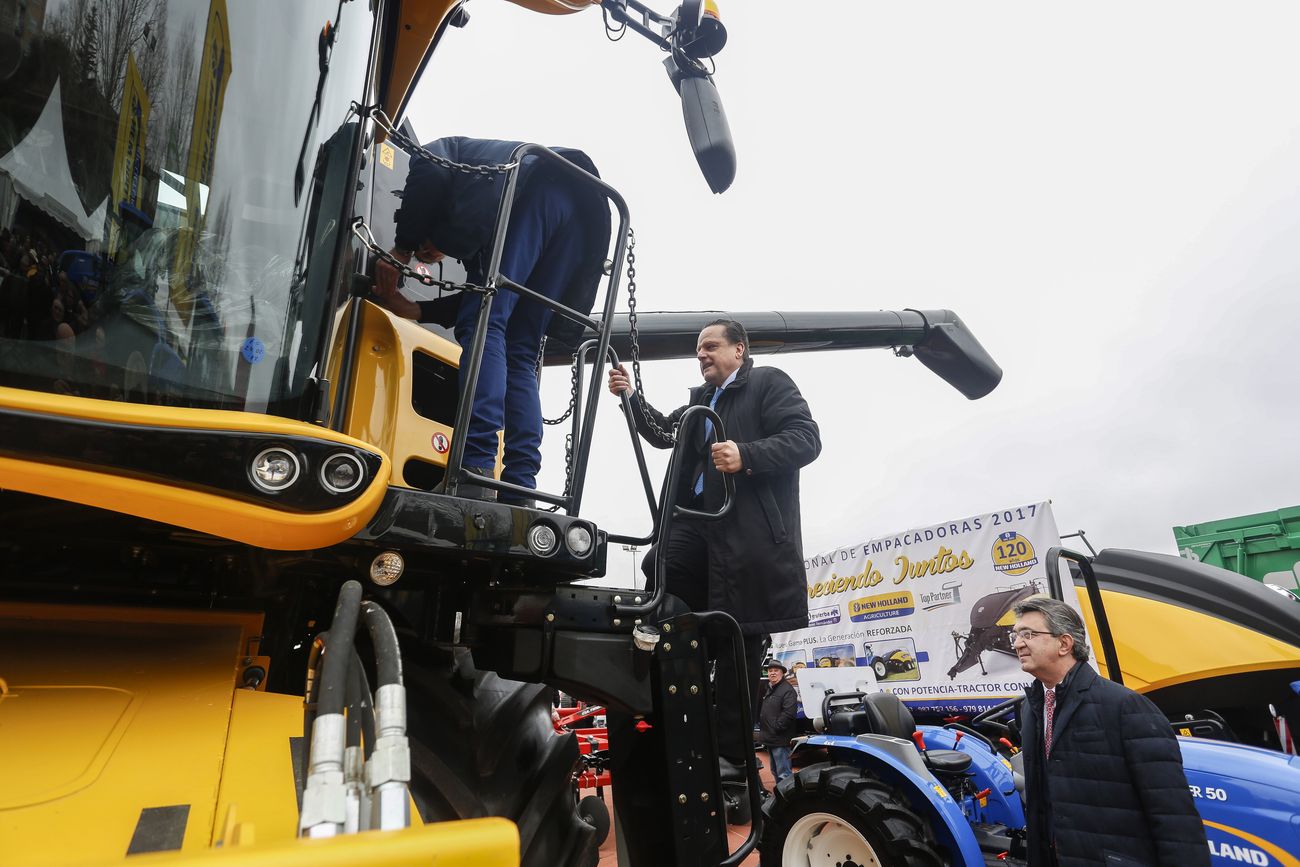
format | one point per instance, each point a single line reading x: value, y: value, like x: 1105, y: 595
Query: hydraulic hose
x: 342, y: 633
x: 361, y: 712
x: 311, y: 691
x: 325, y: 810
x: 388, y: 766
x: 383, y: 637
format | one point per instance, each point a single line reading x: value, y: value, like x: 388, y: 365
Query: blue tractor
x: 892, y: 792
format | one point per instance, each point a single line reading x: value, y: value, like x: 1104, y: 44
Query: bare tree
x: 125, y: 26
x: 173, y: 110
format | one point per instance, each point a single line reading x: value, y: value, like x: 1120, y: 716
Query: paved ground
x: 737, y: 833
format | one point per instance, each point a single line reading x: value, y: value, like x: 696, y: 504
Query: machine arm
x: 938, y: 338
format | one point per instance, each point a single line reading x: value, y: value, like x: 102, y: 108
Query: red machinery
x: 593, y: 746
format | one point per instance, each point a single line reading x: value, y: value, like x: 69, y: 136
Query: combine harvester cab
x: 209, y: 435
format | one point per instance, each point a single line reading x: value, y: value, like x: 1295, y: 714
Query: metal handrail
x: 1104, y: 635
x: 669, y: 510
x: 472, y: 361
x: 643, y: 469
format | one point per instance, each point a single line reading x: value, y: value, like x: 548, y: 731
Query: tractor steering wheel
x: 992, y: 718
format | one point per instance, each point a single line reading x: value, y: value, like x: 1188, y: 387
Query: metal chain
x: 413, y: 149
x: 568, y: 466
x: 633, y: 335
x: 367, y: 238
x: 573, y: 386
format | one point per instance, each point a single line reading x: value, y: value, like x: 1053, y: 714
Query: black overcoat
x: 756, y: 571
x: 1113, y: 792
x: 778, y: 715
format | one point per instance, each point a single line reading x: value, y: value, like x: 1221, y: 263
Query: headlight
x: 542, y: 540
x: 387, y: 568
x: 578, y: 539
x: 274, y: 469
x: 342, y: 472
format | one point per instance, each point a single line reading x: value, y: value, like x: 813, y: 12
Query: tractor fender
x: 897, y: 762
x: 990, y: 771
x: 1248, y: 798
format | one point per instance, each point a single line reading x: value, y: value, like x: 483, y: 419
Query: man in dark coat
x: 556, y: 243
x: 750, y: 563
x: 777, y: 718
x: 1104, y: 781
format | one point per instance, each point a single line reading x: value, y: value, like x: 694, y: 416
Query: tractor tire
x: 735, y: 801
x: 881, y: 670
x: 836, y: 814
x: 485, y: 746
x: 593, y: 811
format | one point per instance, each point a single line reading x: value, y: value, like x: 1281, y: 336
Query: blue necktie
x: 708, y: 431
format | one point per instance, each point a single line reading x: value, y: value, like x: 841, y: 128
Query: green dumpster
x: 1265, y: 546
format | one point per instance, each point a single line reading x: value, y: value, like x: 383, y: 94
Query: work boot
x: 469, y: 490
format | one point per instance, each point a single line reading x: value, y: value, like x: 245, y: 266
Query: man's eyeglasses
x: 1026, y: 634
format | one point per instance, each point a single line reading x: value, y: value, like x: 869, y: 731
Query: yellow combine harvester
x: 207, y: 435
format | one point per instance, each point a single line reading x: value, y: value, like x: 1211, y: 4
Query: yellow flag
x: 128, y: 158
x: 214, y: 73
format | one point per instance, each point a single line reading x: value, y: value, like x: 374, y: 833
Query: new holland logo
x: 1013, y: 554
x: 881, y: 607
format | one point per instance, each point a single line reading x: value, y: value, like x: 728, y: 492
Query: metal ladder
x: 589, y: 355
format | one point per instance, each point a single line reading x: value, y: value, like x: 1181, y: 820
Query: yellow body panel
x: 257, y: 801
x: 196, y: 510
x: 1160, y: 644
x: 468, y: 843
x: 381, y: 411
x: 415, y: 31
x: 106, y: 712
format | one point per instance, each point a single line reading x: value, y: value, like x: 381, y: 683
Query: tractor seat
x: 946, y: 761
x: 897, y: 721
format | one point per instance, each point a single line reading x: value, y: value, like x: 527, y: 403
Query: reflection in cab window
x: 173, y: 178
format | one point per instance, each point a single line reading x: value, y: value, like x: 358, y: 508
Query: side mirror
x: 708, y: 131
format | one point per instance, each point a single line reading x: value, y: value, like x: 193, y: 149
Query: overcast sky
x: 1106, y: 193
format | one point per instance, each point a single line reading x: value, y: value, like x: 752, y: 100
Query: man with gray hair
x: 1104, y: 781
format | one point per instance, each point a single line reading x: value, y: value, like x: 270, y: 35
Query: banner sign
x: 128, y: 157
x: 923, y: 613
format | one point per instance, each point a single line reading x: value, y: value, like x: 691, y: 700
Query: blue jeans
x: 543, y: 251
x: 780, y: 757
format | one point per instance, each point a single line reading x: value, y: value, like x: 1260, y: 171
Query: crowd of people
x: 37, y: 300
x: 41, y: 303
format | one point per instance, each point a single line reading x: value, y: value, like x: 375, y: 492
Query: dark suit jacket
x: 756, y: 569
x: 1113, y: 792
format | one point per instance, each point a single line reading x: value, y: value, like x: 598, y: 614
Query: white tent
x: 37, y: 170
